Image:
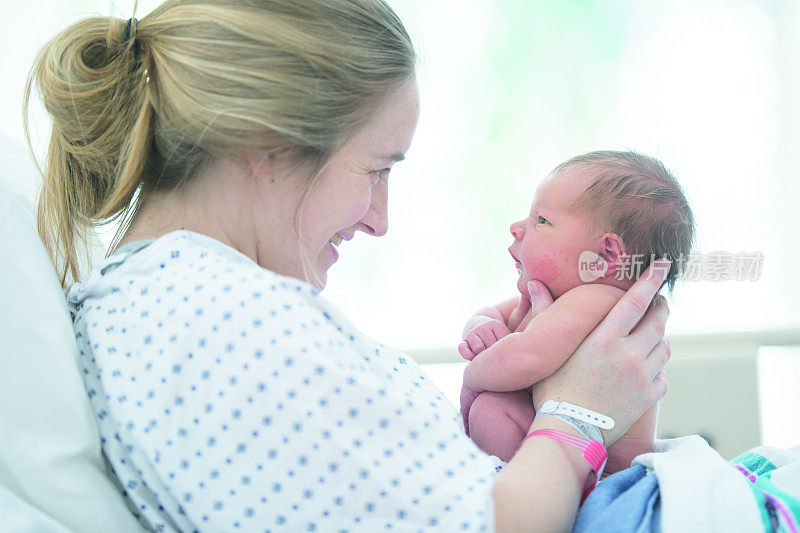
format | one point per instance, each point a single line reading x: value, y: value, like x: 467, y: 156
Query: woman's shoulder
x: 185, y: 252
x: 182, y: 266
x: 188, y: 286
x: 190, y: 267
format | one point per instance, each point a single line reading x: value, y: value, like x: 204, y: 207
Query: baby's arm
x: 501, y: 312
x: 489, y: 325
x: 520, y: 359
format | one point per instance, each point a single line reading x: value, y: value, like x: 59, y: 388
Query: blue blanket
x: 626, y: 501
x: 686, y: 486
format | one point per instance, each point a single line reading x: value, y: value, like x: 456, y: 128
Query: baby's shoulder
x: 592, y: 293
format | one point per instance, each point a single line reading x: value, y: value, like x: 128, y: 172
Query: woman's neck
x: 249, y: 209
x: 205, y: 205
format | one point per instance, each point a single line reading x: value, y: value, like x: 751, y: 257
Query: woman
x: 244, y: 142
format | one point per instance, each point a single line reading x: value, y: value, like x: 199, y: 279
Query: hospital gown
x: 230, y: 398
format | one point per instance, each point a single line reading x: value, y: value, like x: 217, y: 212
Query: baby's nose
x: 516, y: 230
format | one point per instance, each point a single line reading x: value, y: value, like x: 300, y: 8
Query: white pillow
x: 52, y: 474
x: 16, y: 170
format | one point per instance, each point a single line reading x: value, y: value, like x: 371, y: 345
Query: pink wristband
x: 593, y: 451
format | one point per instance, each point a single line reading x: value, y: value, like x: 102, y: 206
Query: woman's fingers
x: 634, y: 304
x: 660, y: 385
x: 650, y: 331
x: 523, y: 306
x: 618, y: 369
x: 657, y: 359
x: 541, y: 298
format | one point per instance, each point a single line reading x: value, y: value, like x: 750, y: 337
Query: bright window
x: 509, y: 90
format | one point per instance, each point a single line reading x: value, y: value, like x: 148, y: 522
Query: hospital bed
x: 52, y: 473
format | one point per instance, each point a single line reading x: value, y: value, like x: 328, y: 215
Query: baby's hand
x: 481, y: 337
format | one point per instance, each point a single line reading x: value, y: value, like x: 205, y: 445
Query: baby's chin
x: 556, y: 286
x: 522, y: 283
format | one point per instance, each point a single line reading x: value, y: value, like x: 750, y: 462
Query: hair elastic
x: 131, y: 27
x: 130, y: 24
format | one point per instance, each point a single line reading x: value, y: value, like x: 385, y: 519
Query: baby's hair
x: 636, y: 197
x: 141, y: 106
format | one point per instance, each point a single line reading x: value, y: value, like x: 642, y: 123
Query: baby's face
x: 548, y: 243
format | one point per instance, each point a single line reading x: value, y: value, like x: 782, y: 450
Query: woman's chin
x: 319, y: 279
x: 325, y: 260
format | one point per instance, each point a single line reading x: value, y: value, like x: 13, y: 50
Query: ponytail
x: 294, y: 77
x: 91, y: 79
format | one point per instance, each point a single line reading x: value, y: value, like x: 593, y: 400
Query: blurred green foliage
x: 559, y: 60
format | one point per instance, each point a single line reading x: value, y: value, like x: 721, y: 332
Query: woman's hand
x: 619, y: 369
x: 537, y: 300
x: 636, y: 441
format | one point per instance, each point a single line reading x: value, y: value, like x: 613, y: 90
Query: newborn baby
x: 597, y: 221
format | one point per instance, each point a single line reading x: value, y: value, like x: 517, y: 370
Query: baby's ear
x: 612, y: 250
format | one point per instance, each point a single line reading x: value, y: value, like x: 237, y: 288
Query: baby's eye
x: 542, y: 220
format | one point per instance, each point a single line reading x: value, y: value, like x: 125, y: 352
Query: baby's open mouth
x: 336, y: 239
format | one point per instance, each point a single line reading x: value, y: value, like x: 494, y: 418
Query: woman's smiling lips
x: 334, y: 243
x: 337, y: 239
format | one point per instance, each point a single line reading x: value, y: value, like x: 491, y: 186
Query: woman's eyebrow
x: 397, y: 156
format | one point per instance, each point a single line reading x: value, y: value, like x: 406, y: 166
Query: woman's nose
x: 517, y: 230
x: 377, y: 218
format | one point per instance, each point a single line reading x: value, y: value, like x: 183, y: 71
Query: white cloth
x: 231, y: 398
x: 786, y: 476
x: 52, y: 474
x: 699, y: 490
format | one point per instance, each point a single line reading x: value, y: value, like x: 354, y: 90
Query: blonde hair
x: 636, y: 197
x: 140, y: 107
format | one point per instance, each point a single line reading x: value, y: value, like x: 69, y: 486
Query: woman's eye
x: 380, y: 174
x: 542, y: 220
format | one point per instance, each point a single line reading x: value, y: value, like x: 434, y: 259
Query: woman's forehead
x: 388, y: 133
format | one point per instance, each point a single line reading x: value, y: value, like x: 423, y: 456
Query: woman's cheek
x: 346, y: 213
x: 360, y: 209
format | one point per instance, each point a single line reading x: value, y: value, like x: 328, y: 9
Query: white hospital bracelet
x: 581, y: 413
x: 566, y: 410
x: 584, y: 428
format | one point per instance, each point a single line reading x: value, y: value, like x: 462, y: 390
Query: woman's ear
x: 612, y: 249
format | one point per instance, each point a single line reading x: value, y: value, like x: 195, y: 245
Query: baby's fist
x: 481, y: 337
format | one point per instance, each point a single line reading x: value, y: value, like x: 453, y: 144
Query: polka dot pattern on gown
x: 230, y: 398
